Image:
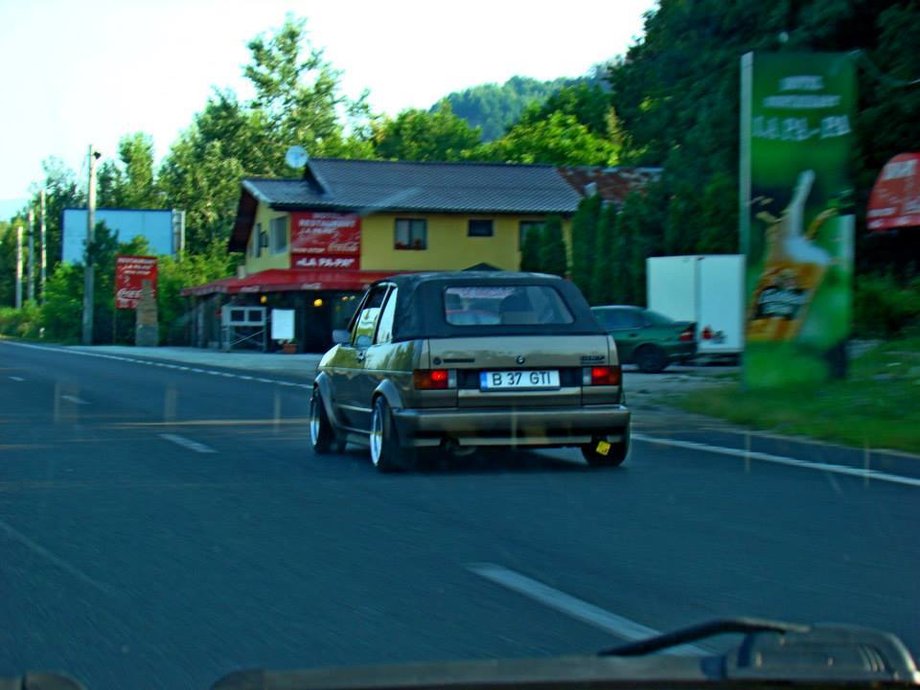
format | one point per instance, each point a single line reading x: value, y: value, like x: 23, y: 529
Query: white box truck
x: 707, y: 289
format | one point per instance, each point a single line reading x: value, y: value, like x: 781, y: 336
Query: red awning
x: 895, y: 198
x: 288, y: 280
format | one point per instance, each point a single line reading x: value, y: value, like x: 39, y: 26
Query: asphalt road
x: 161, y: 526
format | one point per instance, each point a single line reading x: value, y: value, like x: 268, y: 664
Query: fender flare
x: 324, y: 386
x: 390, y: 393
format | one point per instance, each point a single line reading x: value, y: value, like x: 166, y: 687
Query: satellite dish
x: 296, y: 157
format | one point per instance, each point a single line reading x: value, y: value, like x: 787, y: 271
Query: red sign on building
x: 895, y: 198
x: 325, y: 240
x: 130, y: 274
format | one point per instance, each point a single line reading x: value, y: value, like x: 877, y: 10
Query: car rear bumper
x: 681, y: 351
x: 545, y: 426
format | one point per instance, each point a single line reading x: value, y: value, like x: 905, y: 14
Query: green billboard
x: 796, y: 214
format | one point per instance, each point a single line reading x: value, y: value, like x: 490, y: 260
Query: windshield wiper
x: 778, y: 650
x: 703, y: 631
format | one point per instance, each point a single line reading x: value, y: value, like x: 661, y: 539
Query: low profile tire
x: 616, y: 454
x: 651, y: 359
x: 386, y: 453
x: 322, y: 434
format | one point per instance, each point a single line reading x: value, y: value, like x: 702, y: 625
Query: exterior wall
x: 267, y: 259
x: 448, y: 245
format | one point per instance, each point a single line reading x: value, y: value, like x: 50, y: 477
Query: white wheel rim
x: 376, y: 438
x: 314, y: 421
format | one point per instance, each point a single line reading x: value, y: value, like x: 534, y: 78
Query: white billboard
x: 163, y: 229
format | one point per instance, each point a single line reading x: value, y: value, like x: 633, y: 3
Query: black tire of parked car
x: 650, y: 359
x: 615, y: 456
x: 322, y: 434
x: 387, y: 455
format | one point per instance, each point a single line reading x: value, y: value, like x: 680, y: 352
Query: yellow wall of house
x: 448, y: 245
x: 267, y: 259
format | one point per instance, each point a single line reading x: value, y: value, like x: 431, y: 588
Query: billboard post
x: 796, y: 216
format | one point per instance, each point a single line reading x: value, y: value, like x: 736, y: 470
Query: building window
x: 529, y: 228
x: 479, y: 228
x: 411, y: 233
x: 278, y: 233
x: 255, y: 241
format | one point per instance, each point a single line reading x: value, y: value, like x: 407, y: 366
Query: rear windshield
x: 505, y: 305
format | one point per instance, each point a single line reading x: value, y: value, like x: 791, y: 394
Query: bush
x: 21, y: 323
x: 884, y: 307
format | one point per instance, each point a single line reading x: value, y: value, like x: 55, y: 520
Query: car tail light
x: 434, y: 379
x: 601, y: 376
x: 686, y: 335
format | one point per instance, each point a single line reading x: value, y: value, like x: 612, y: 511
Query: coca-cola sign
x: 325, y: 234
x: 130, y: 274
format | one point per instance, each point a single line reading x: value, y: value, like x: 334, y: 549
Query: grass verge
x: 878, y: 405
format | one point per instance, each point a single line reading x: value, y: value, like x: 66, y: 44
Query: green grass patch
x: 877, y: 405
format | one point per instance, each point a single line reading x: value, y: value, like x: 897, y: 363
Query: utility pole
x: 30, y: 290
x: 88, y: 268
x: 43, y: 238
x: 19, y: 267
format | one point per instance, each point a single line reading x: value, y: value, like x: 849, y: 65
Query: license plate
x: 518, y: 380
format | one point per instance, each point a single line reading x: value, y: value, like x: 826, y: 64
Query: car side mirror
x: 340, y: 336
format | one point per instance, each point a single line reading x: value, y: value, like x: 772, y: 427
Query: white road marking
x: 151, y: 363
x: 625, y: 628
x: 74, y: 399
x: 187, y: 443
x: 40, y: 550
x: 858, y: 472
x: 16, y: 378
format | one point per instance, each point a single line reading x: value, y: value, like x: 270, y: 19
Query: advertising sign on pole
x: 130, y: 274
x: 895, y: 199
x: 796, y: 214
x: 325, y: 240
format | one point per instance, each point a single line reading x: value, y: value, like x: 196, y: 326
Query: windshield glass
x: 355, y: 332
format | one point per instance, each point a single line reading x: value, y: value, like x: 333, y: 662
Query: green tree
x: 589, y: 103
x: 62, y: 191
x: 559, y: 139
x: 585, y: 224
x: 174, y: 275
x: 552, y: 251
x: 62, y: 311
x: 493, y: 108
x: 419, y: 135
x: 298, y: 93
x: 129, y: 181
x: 297, y: 101
x: 675, y: 95
x: 530, y: 249
x: 7, y: 264
x: 604, y: 267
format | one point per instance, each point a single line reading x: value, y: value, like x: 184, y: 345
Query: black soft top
x: 420, y: 305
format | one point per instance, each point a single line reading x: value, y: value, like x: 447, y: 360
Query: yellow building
x: 312, y: 244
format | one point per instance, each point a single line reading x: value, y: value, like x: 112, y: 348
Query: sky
x: 92, y: 71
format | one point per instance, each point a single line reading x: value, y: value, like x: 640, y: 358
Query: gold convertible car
x: 459, y: 360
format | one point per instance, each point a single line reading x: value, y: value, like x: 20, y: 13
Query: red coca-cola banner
x: 325, y: 240
x: 895, y: 199
x: 130, y: 274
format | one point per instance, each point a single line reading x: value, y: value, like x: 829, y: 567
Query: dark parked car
x: 459, y: 360
x: 646, y: 338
